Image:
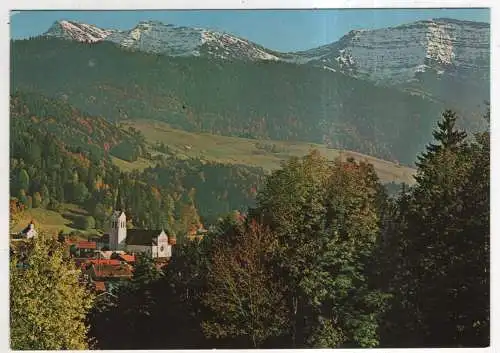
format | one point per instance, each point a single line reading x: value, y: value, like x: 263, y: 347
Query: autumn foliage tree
x: 48, y: 303
x: 245, y: 302
x: 326, y: 219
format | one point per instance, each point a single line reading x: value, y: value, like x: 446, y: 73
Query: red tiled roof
x: 84, y: 263
x: 81, y: 261
x: 100, y: 286
x: 112, y: 262
x: 107, y: 271
x: 127, y: 258
x: 86, y: 245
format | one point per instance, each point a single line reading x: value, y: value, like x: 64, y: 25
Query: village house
x: 82, y: 249
x: 106, y: 272
x: 104, y: 275
x: 28, y: 232
x: 85, y: 263
x: 155, y: 243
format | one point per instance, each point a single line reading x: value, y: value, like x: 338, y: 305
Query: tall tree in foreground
x: 440, y: 248
x: 471, y: 266
x: 245, y: 302
x: 326, y: 218
x: 48, y: 304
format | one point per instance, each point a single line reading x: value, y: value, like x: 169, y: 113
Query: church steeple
x: 119, y: 204
x: 118, y: 231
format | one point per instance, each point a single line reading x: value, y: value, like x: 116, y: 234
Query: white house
x: 29, y: 231
x: 152, y: 242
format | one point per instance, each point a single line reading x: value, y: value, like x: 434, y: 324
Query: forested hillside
x: 266, y: 100
x: 71, y: 126
x: 61, y: 155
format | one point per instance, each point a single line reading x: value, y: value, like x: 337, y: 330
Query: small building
x: 29, y: 232
x: 83, y: 249
x: 107, y: 272
x: 112, y: 262
x: 104, y: 277
x: 86, y: 245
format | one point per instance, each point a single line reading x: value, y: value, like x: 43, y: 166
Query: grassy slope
x: 127, y: 166
x: 51, y: 221
x: 235, y: 150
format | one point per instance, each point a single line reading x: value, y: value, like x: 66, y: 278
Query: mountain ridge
x: 51, y: 32
x: 425, y: 57
x: 167, y: 39
x: 440, y: 44
x: 156, y: 32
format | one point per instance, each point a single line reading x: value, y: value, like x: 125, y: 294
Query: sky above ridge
x: 282, y: 30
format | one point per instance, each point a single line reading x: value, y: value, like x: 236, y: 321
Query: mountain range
x: 167, y: 39
x: 389, y: 55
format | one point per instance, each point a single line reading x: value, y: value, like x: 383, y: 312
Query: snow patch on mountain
x: 166, y: 39
x: 78, y: 31
x: 388, y: 56
x: 394, y: 55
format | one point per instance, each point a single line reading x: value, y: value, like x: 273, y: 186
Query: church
x: 155, y: 243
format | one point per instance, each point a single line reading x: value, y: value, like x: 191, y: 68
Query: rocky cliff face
x: 156, y: 37
x: 77, y: 31
x: 398, y: 54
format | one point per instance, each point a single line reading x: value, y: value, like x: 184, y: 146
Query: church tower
x: 118, y: 231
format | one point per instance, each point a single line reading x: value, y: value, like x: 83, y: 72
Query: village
x: 106, y: 260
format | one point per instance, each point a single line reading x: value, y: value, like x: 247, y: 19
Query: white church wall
x: 164, y: 248
x: 154, y: 253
